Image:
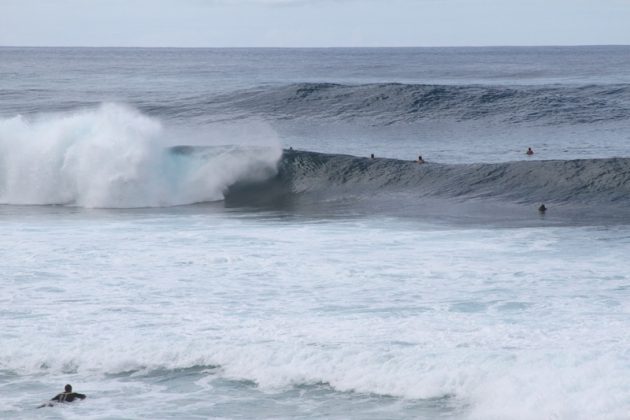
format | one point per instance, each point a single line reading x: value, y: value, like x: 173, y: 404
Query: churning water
x: 202, y: 233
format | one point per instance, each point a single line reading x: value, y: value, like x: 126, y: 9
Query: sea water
x: 164, y: 251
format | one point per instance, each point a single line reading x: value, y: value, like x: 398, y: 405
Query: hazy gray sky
x: 313, y: 23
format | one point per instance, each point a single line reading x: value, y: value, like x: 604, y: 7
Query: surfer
x: 542, y: 208
x: 64, y: 397
x: 529, y: 151
x: 372, y: 156
x: 420, y: 160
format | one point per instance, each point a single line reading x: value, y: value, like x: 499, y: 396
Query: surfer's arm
x: 79, y: 396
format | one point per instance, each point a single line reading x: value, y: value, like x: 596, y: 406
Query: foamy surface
x: 187, y: 313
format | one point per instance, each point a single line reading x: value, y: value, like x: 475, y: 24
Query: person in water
x: 529, y: 151
x: 420, y: 160
x: 65, y: 397
x: 372, y: 156
x: 542, y: 208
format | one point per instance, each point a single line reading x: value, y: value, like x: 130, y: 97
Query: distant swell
x: 388, y: 103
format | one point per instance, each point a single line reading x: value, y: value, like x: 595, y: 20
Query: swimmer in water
x: 420, y: 160
x: 542, y: 208
x: 65, y: 397
x: 529, y: 151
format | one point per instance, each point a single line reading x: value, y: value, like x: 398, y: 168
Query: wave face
x: 587, y: 182
x: 389, y: 103
x: 113, y: 156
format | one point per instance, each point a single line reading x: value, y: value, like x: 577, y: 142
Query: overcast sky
x: 313, y: 23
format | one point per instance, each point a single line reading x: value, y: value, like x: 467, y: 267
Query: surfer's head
x: 68, y: 388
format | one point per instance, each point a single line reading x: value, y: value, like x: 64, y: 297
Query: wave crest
x: 584, y: 182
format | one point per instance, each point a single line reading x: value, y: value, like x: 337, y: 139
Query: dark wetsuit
x: 64, y: 397
x: 68, y: 397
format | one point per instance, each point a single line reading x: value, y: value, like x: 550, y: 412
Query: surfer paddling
x: 65, y: 397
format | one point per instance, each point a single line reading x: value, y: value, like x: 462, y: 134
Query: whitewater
x: 191, y: 233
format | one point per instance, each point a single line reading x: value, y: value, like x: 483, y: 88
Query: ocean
x: 203, y: 233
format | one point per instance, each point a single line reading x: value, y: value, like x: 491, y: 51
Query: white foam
x: 523, y: 323
x: 114, y: 156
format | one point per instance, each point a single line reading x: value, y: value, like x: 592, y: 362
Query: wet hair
x: 68, y: 388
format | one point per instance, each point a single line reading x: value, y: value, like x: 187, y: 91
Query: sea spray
x: 114, y: 156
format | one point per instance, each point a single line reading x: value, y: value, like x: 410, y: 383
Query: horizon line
x: 321, y: 47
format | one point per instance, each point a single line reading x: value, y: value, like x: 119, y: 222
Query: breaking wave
x: 115, y: 157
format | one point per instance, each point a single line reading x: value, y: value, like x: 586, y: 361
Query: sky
x: 313, y: 23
